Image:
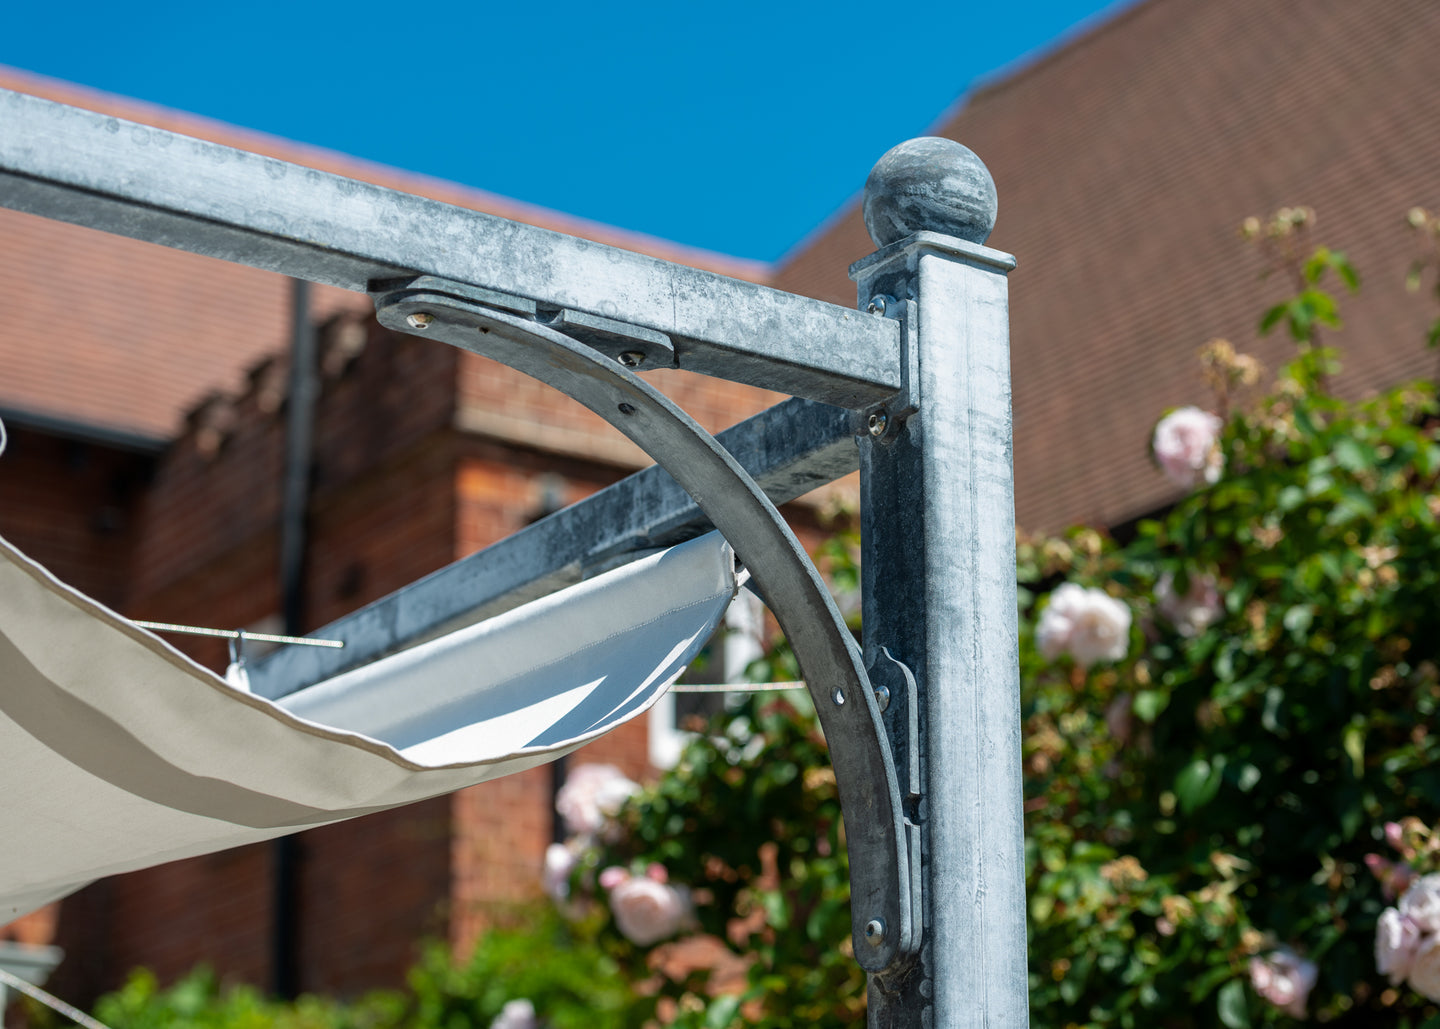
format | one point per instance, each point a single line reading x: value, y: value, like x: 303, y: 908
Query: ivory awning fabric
x: 118, y: 752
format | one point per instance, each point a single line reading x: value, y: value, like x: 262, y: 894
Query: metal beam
x: 789, y: 450
x: 146, y: 183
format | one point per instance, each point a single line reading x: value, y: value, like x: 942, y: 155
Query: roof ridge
x: 1082, y: 34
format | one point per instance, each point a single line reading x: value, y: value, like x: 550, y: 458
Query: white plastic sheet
x: 118, y: 752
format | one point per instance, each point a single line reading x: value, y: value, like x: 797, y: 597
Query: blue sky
x: 736, y: 127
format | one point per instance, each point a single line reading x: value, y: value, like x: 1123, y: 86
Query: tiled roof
x: 110, y: 333
x: 1124, y: 163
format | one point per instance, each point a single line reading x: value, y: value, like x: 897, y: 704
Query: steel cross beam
x: 788, y: 450
x: 77, y: 166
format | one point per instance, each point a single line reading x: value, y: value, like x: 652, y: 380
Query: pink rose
x: 1394, y: 877
x: 1396, y: 941
x: 591, y: 798
x: 1194, y: 612
x: 1284, y: 979
x: 1185, y: 446
x: 647, y: 911
x: 1089, y: 624
x: 1425, y: 968
x: 613, y: 877
x: 1421, y: 903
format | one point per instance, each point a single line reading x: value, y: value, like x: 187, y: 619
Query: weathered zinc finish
x: 938, y: 530
x: 150, y: 184
x: 937, y: 485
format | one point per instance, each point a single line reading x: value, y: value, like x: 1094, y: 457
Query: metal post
x: 938, y: 525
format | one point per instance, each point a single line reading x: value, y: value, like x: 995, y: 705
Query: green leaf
x: 1290, y: 498
x: 1272, y: 317
x: 1351, y: 456
x: 721, y: 1011
x: 1354, y: 743
x: 1346, y: 271
x: 1198, y: 782
x: 1149, y: 703
x: 1298, y: 619
x: 1232, y: 1005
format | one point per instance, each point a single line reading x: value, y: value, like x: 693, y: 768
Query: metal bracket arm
x: 885, y: 926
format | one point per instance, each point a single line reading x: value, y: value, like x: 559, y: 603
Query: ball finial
x: 929, y: 184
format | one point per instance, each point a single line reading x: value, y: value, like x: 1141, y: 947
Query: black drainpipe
x: 294, y: 514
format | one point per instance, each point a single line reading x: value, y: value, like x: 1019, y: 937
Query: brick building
x: 145, y: 392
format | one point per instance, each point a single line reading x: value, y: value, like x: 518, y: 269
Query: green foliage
x: 565, y: 972
x: 199, y: 1002
x: 1212, y: 797
x: 750, y: 819
x: 561, y: 968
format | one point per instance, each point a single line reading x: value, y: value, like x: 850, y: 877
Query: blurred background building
x: 146, y: 393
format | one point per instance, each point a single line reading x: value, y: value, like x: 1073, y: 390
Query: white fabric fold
x: 118, y: 752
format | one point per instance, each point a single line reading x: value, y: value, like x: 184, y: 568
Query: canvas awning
x: 119, y: 752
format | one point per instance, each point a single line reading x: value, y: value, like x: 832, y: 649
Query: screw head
x: 877, y: 423
x: 419, y: 320
x: 632, y: 359
x: 875, y: 932
x: 879, y: 304
x: 882, y: 696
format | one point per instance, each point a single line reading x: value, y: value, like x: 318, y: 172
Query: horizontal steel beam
x: 789, y: 450
x: 90, y: 169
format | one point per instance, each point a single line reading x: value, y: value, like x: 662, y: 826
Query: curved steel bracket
x: 884, y: 901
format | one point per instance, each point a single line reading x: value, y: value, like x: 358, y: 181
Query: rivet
x: 882, y: 697
x: 632, y: 359
x: 419, y: 320
x: 838, y: 696
x: 627, y: 409
x: 878, y: 304
x: 875, y: 932
x: 877, y: 423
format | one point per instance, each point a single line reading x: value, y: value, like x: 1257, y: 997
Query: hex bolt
x: 632, y: 359
x: 877, y: 423
x: 419, y: 320
x: 875, y: 932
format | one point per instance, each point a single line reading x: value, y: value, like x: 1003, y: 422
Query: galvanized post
x: 938, y: 523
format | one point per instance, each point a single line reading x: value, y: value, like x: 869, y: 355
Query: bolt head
x: 875, y: 932
x: 419, y: 320
x: 632, y: 359
x: 929, y: 184
x: 878, y: 304
x: 877, y: 423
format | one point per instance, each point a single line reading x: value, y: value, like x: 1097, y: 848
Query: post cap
x: 929, y: 184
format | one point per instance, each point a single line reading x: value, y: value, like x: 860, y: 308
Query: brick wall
x: 71, y: 505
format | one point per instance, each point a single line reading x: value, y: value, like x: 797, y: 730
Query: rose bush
x: 1272, y: 714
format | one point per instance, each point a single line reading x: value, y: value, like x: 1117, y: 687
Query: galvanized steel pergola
x: 913, y: 389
